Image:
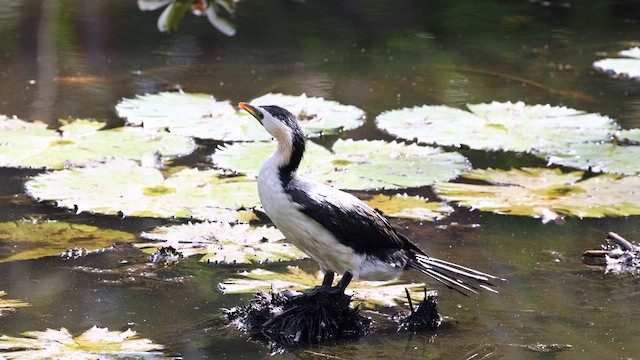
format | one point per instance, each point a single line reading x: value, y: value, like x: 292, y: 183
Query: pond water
x: 76, y: 59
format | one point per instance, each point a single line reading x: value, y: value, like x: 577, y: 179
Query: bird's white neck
x: 286, y: 159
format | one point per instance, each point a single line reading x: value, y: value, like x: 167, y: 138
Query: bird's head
x: 278, y: 122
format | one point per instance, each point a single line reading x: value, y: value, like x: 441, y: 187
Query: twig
x: 622, y: 242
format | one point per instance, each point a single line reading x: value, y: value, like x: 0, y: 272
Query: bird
x: 340, y: 232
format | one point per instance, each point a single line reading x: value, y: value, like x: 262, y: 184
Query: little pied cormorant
x: 339, y: 231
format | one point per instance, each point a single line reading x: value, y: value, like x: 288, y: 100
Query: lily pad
x: 201, y: 116
x: 410, y: 207
x: 24, y: 240
x: 95, y: 343
x: 126, y: 188
x: 598, y: 157
x: 7, y: 305
x: 370, y: 293
x: 356, y: 165
x: 539, y: 192
x: 628, y: 67
x: 498, y: 126
x: 223, y: 243
x: 32, y: 145
x: 316, y: 115
x: 631, y: 136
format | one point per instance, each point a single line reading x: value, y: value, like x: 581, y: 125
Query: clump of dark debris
x: 423, y: 318
x: 618, y: 255
x: 165, y: 255
x: 288, y: 319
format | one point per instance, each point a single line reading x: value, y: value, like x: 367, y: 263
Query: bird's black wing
x: 352, y: 222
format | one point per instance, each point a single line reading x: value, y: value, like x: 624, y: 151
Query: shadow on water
x: 63, y: 59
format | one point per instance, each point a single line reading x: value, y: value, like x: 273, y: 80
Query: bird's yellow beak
x: 251, y: 110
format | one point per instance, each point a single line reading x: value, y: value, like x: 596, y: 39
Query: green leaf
x: 598, y: 157
x: 201, y: 116
x: 24, y: 240
x: 95, y: 343
x: 540, y: 192
x: 126, y: 188
x: 410, y: 207
x: 622, y: 68
x: 32, y: 145
x: 223, y: 243
x: 7, y: 305
x: 498, y: 126
x: 369, y: 293
x: 316, y: 115
x: 356, y: 165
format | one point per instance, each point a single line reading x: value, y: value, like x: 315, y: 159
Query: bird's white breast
x: 309, y: 235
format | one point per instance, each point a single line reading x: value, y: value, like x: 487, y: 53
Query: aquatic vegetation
x: 498, y: 126
x: 79, y: 142
x: 127, y: 189
x: 355, y: 165
x: 409, y: 207
x: 626, y: 67
x: 9, y: 305
x: 542, y: 192
x: 202, y: 116
x: 368, y: 293
x: 223, y: 243
x: 317, y: 115
x: 25, y: 240
x: 95, y: 343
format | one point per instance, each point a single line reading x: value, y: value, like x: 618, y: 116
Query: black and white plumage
x: 342, y: 233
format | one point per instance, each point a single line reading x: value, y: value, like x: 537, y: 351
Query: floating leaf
x: 32, y: 145
x: 23, y: 240
x: 201, y: 116
x: 540, y: 191
x: 355, y: 165
x: 123, y: 187
x: 223, y: 243
x: 316, y: 115
x: 598, y: 157
x: 10, y: 304
x: 498, y: 126
x: 631, y: 135
x: 95, y: 343
x: 370, y: 293
x: 624, y: 68
x: 410, y: 207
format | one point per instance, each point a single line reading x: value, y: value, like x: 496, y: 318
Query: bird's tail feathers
x: 454, y: 276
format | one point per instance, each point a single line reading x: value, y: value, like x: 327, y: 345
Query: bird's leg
x: 344, y: 282
x: 328, y: 278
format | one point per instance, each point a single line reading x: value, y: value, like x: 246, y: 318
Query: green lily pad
x: 498, y: 126
x: 631, y: 135
x: 7, y: 305
x: 356, y: 165
x: 24, y: 240
x: 32, y: 145
x: 126, y: 188
x: 369, y: 293
x: 598, y: 157
x: 621, y: 67
x: 223, y: 243
x: 316, y: 115
x: 201, y: 116
x: 95, y: 343
x: 410, y: 207
x: 540, y: 192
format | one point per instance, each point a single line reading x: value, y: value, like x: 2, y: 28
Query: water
x: 76, y: 59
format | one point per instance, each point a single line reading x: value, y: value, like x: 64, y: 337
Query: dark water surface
x: 76, y: 59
